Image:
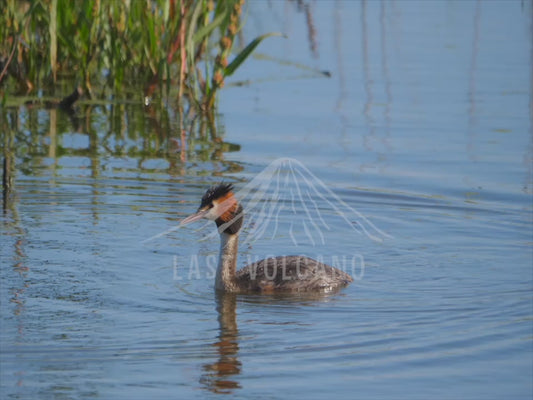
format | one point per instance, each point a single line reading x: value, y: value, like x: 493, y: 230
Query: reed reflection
x: 114, y: 131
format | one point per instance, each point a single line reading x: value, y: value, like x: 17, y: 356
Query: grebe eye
x: 211, y: 205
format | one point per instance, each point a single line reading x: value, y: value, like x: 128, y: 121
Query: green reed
x: 162, y: 47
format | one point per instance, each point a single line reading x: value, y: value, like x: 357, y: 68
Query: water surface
x: 424, y: 128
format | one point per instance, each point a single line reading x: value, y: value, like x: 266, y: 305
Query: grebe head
x: 219, y: 205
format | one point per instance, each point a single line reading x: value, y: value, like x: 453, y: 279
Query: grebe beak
x: 194, y: 217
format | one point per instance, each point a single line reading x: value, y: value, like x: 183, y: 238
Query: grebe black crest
x: 276, y: 274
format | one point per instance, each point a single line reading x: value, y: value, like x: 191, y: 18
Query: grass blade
x: 205, y: 31
x: 243, y: 55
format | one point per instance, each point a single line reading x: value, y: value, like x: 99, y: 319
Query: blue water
x: 421, y: 136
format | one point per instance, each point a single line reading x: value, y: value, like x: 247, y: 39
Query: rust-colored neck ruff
x: 231, y: 214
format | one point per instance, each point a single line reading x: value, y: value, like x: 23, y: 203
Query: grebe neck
x: 227, y: 262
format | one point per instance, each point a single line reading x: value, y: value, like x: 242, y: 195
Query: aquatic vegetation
x: 178, y: 48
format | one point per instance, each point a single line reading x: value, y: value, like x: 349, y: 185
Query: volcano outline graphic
x: 263, y: 203
x: 287, y: 185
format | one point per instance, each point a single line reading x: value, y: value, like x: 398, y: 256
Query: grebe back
x: 276, y: 274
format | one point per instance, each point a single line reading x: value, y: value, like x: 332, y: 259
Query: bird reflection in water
x: 218, y: 375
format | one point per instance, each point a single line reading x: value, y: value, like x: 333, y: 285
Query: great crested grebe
x: 278, y: 274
